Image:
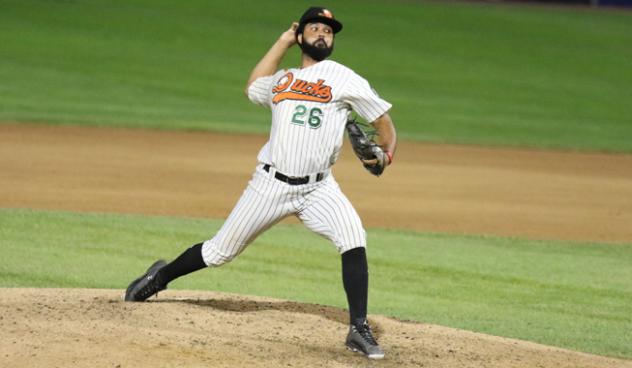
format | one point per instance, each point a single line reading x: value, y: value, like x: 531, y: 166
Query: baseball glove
x: 366, y: 149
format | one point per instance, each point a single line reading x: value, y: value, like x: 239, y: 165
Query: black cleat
x: 360, y: 339
x: 147, y: 285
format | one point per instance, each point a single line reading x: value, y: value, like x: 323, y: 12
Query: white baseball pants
x: 321, y: 206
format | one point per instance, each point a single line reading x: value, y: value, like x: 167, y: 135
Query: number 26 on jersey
x: 304, y: 115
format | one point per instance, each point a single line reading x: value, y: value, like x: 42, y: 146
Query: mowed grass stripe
x: 573, y: 295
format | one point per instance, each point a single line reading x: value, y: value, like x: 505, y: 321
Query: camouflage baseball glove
x: 372, y: 156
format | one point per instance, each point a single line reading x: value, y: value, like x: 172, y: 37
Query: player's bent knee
x: 345, y: 248
x: 214, y: 256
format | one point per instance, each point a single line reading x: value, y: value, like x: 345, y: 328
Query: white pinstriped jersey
x: 310, y: 107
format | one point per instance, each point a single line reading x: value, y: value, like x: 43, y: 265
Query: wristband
x: 390, y: 157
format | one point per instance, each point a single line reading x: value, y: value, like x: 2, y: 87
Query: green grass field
x: 465, y: 73
x: 572, y: 295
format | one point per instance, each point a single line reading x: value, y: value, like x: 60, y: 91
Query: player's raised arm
x: 269, y: 64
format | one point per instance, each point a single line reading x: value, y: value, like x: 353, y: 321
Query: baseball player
x: 310, y: 107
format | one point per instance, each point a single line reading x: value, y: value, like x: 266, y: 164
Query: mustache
x: 320, y: 43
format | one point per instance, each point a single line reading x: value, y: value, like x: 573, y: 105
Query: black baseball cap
x: 320, y: 15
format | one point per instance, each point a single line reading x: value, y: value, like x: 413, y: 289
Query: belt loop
x: 267, y: 168
x: 309, y: 179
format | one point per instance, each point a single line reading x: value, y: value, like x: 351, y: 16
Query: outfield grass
x: 455, y: 72
x: 573, y: 295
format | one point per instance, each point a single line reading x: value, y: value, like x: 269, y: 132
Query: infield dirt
x: 455, y: 189
x: 442, y: 188
x: 95, y: 328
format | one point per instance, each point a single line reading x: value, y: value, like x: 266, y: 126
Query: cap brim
x: 334, y: 24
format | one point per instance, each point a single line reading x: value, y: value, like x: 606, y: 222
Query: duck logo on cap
x: 317, y: 14
x: 326, y: 13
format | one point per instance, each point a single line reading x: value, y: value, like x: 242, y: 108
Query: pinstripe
x: 248, y: 220
x: 330, y: 214
x: 349, y: 215
x: 229, y: 234
x: 322, y: 207
x: 299, y: 150
x: 272, y: 212
x: 342, y: 217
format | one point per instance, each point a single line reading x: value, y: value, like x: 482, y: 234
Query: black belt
x: 293, y: 180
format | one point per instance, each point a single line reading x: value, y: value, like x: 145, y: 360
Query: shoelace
x: 152, y: 287
x: 365, y: 332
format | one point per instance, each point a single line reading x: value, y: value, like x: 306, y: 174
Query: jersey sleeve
x: 364, y: 100
x: 259, y: 91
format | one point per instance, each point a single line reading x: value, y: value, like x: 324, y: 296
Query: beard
x: 317, y: 50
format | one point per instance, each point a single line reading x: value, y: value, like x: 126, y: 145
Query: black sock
x: 189, y: 261
x: 355, y: 278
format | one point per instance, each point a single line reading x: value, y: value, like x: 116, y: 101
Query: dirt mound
x: 95, y: 328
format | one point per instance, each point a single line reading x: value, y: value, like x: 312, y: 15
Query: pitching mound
x: 95, y: 328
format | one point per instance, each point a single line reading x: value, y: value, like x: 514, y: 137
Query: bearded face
x: 317, y: 41
x: 318, y: 50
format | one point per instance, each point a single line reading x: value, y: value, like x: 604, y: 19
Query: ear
x: 299, y: 38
